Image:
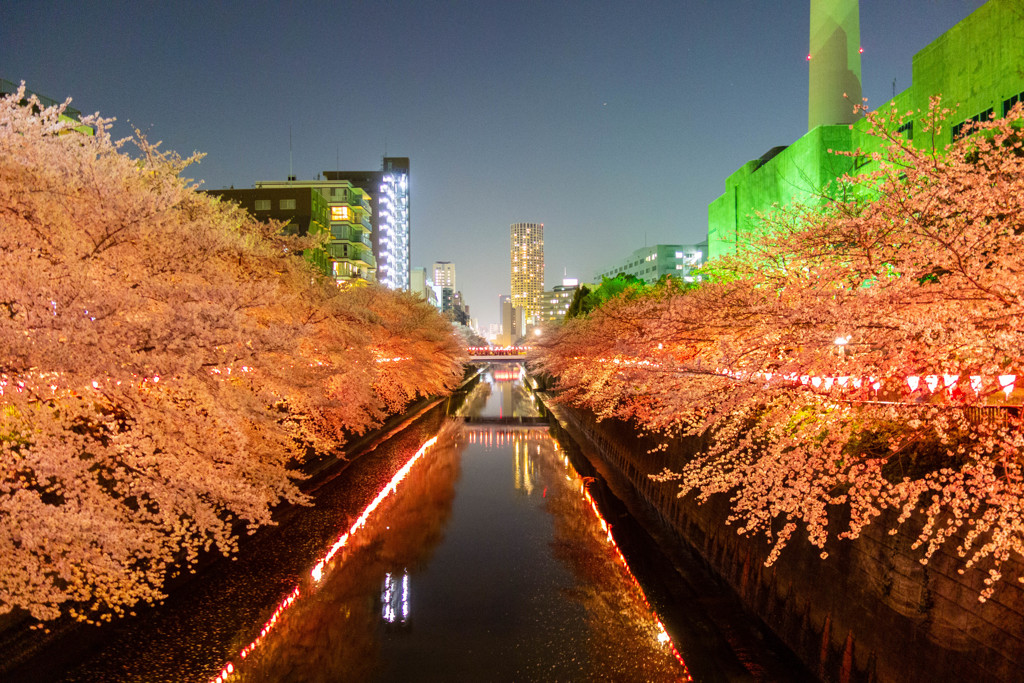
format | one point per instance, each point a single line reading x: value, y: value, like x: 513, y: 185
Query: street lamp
x: 841, y: 342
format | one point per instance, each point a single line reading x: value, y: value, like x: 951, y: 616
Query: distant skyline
x: 614, y: 126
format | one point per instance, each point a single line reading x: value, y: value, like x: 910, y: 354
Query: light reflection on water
x: 488, y: 563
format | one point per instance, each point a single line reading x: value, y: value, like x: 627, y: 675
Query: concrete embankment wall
x: 869, y: 612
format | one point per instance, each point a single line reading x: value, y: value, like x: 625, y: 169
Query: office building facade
x: 444, y: 274
x: 304, y: 210
x: 652, y: 263
x: 554, y: 303
x: 389, y: 194
x: 349, y: 251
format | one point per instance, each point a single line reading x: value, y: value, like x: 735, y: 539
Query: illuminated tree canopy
x: 855, y: 358
x: 165, y: 361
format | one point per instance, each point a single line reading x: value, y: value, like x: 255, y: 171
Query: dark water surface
x: 488, y: 563
x: 482, y: 559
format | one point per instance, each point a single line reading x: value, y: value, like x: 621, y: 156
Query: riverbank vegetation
x: 861, y: 355
x: 166, y: 362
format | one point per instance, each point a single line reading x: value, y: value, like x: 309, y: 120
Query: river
x: 465, y: 548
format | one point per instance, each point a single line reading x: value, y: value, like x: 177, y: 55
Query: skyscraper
x: 528, y: 268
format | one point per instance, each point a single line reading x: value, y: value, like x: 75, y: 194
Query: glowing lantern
x: 913, y: 382
x: 1007, y: 382
x: 932, y: 381
x: 949, y: 381
x: 976, y: 383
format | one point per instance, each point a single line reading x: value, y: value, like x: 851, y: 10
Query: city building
x: 458, y: 310
x: 422, y: 285
x: 444, y: 274
x: 444, y: 280
x: 388, y: 191
x: 651, y: 263
x: 976, y: 65
x: 349, y: 250
x: 527, y: 268
x: 554, y: 303
x: 447, y: 298
x: 304, y: 210
x: 513, y: 325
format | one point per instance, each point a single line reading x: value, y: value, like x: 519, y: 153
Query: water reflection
x: 489, y: 562
x: 478, y: 558
x: 334, y: 630
x: 395, y: 599
x: 501, y: 393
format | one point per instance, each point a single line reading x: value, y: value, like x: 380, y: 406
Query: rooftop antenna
x: 894, y: 88
x: 337, y: 157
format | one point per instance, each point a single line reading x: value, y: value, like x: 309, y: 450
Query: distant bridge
x: 498, y: 354
x: 517, y: 421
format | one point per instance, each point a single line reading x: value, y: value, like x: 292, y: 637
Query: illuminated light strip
x: 317, y: 571
x: 663, y: 636
x: 1006, y: 383
x: 229, y: 668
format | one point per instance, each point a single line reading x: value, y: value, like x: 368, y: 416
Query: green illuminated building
x: 350, y: 249
x: 70, y: 113
x: 977, y: 64
x: 317, y: 207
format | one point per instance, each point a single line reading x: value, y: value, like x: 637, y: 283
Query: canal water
x: 487, y: 562
x: 465, y: 548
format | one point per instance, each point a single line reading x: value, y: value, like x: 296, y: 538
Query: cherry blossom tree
x: 848, y: 359
x: 166, y: 360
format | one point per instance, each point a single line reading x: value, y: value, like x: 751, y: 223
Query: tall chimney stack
x: 834, y: 63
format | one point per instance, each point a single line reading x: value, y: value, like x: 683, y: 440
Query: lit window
x: 286, y: 204
x: 679, y: 254
x: 263, y: 205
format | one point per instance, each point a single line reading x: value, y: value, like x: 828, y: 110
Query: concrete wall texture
x: 977, y: 64
x: 870, y: 612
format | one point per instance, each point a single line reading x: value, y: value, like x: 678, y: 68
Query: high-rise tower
x: 528, y: 268
x: 834, y: 63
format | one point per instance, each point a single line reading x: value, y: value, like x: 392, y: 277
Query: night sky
x: 614, y: 124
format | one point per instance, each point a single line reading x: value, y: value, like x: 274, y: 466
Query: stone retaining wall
x: 869, y: 612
